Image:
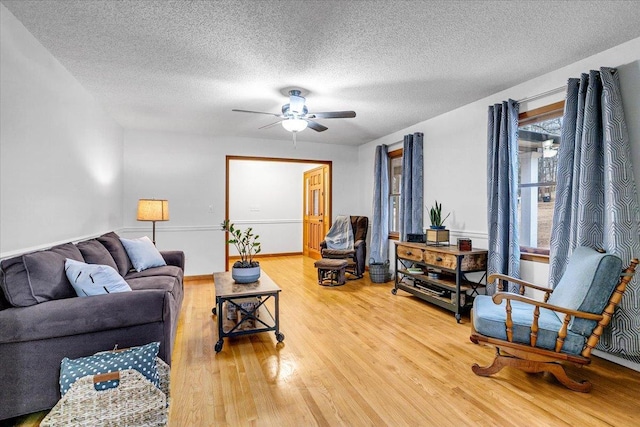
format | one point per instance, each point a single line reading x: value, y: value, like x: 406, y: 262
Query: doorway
x: 276, y: 207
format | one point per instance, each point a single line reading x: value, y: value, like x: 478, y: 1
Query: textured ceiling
x: 183, y: 65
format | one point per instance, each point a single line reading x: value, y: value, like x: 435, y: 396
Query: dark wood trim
x: 394, y: 236
x: 548, y: 111
x: 395, y: 153
x: 237, y: 257
x: 229, y: 158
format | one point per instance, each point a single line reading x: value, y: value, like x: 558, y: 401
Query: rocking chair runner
x: 538, y: 336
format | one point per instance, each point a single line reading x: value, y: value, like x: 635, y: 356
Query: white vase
x: 245, y: 274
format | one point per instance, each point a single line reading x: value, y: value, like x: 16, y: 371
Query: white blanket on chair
x: 340, y: 235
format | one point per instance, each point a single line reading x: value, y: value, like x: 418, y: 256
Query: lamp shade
x: 294, y: 125
x: 153, y: 210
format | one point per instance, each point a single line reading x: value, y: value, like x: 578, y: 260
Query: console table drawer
x: 468, y: 262
x: 440, y: 259
x: 413, y: 254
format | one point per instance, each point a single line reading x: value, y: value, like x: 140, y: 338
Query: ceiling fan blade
x: 332, y: 115
x: 316, y: 126
x: 271, y: 124
x: 257, y: 112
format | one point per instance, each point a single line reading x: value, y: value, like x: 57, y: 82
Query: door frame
x: 230, y: 158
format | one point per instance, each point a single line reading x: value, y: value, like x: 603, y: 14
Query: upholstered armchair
x: 357, y: 255
x: 538, y: 336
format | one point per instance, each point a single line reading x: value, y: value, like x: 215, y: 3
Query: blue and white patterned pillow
x: 94, y: 279
x: 142, y: 253
x: 142, y: 359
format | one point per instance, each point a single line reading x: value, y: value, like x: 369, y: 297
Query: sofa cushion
x: 44, y: 274
x: 164, y: 283
x: 142, y: 253
x: 94, y: 252
x: 15, y: 282
x: 77, y: 316
x: 94, y: 279
x: 489, y: 319
x: 112, y: 242
x: 142, y: 359
x: 167, y: 270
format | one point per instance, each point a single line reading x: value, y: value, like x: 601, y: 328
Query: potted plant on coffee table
x: 246, y: 270
x: 437, y: 234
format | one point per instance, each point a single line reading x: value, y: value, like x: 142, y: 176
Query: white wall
x: 189, y: 171
x: 268, y: 197
x: 60, y: 153
x: 455, y: 146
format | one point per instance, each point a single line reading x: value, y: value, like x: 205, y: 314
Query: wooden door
x: 316, y: 218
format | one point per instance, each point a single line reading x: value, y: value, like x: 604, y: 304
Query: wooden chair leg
x: 555, y: 369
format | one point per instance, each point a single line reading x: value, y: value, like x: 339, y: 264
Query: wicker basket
x: 379, y: 271
x: 134, y: 402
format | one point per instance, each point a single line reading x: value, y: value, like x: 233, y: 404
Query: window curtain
x: 412, y: 205
x: 380, y: 225
x: 596, y: 196
x: 502, y: 192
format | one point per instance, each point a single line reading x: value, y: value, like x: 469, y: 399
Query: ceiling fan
x: 295, y: 116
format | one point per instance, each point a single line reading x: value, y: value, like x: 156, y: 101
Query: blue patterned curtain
x: 380, y: 224
x: 412, y: 205
x: 596, y: 196
x: 502, y: 191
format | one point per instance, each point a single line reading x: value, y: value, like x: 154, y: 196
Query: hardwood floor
x: 356, y: 355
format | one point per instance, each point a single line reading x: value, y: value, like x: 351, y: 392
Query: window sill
x: 534, y: 254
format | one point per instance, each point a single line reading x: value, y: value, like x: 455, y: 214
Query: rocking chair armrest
x: 499, y: 276
x: 499, y: 296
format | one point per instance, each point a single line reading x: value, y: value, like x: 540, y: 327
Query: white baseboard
x: 617, y: 360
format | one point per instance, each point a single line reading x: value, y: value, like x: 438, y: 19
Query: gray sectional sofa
x: 42, y: 320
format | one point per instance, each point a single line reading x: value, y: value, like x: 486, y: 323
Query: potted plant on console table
x: 437, y: 234
x: 246, y: 270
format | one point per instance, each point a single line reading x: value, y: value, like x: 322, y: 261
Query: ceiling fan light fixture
x: 294, y: 125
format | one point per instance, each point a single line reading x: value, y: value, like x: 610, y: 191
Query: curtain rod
x: 543, y: 94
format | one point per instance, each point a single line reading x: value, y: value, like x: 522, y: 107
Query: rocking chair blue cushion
x: 489, y: 319
x: 586, y: 285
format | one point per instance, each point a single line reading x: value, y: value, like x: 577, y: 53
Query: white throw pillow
x: 142, y: 253
x: 94, y: 279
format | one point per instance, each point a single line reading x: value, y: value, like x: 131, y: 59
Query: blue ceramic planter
x: 245, y: 275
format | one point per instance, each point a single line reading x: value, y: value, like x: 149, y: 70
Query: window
x: 395, y: 190
x: 538, y: 142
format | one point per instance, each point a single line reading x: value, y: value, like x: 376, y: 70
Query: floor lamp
x: 153, y: 210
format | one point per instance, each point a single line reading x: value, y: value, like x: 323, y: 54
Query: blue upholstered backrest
x: 587, y: 285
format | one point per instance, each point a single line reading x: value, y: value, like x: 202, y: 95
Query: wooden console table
x: 438, y: 274
x: 257, y: 318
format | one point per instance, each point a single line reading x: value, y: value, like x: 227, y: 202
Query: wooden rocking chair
x: 537, y: 336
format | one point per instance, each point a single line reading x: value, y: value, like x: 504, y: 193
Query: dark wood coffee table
x: 245, y: 311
